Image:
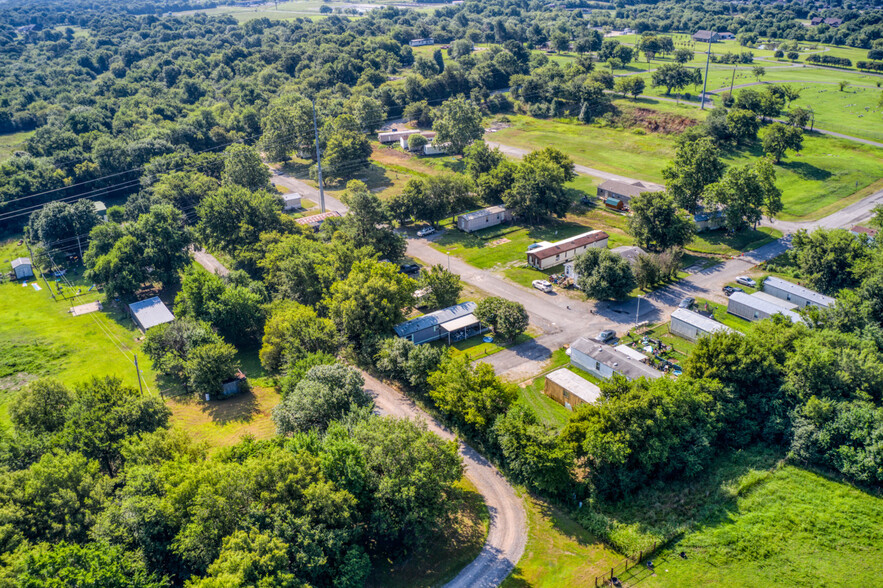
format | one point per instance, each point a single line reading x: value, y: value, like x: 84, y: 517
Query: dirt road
x: 507, y: 533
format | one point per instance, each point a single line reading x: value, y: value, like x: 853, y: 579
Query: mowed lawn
x: 71, y: 349
x: 815, y: 182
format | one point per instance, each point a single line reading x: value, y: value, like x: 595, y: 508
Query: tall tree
x: 326, y: 393
x: 287, y: 127
x: 657, y: 224
x: 444, y: 286
x: 604, y: 275
x: 243, y: 167
x: 233, y: 218
x: 537, y: 191
x: 746, y: 193
x: 697, y: 164
x: 778, y: 138
x: 472, y: 395
x: 457, y: 123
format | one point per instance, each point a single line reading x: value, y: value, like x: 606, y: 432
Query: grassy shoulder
x: 722, y: 243
x: 461, y: 540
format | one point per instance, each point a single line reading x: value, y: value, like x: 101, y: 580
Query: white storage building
x: 756, y: 308
x: 604, y: 361
x: 795, y: 293
x: 483, y: 219
x: 692, y: 325
x: 291, y: 201
x: 393, y: 136
x: 22, y: 268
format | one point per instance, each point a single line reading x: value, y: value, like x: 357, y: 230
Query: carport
x: 462, y: 328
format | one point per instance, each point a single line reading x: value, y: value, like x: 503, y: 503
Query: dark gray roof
x: 630, y: 253
x: 627, y: 189
x: 798, y: 290
x: 439, y: 317
x: 21, y: 261
x: 618, y: 362
x: 151, y: 312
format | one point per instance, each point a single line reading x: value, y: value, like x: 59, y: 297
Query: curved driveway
x: 507, y: 533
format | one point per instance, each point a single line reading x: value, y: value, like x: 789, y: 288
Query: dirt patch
x: 502, y: 241
x: 16, y: 381
x: 654, y: 121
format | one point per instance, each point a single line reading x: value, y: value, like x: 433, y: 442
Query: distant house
x: 709, y: 220
x: 871, y: 232
x: 484, y: 218
x: 421, y: 42
x: 315, y: 221
x: 726, y: 36
x: 604, y: 361
x: 451, y: 324
x: 795, y: 294
x: 100, y: 209
x: 150, y: 313
x: 26, y: 28
x: 616, y: 194
x: 757, y: 308
x: 403, y: 141
x: 706, y: 36
x: 545, y: 255
x: 833, y: 22
x: 393, y: 136
x: 22, y: 268
x: 629, y: 253
x: 692, y: 325
x: 432, y: 149
x: 291, y: 201
x: 570, y: 390
x: 234, y: 385
x: 816, y: 21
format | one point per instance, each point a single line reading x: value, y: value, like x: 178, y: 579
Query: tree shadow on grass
x: 806, y: 171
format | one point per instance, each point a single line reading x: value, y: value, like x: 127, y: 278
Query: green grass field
x: 12, y: 142
x: 826, y: 171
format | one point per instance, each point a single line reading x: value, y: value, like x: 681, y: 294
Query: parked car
x: 425, y: 231
x: 409, y: 268
x: 687, y: 302
x: 542, y: 285
x: 746, y: 281
x: 730, y: 290
x: 605, y: 336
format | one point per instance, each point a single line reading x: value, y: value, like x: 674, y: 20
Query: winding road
x: 507, y: 532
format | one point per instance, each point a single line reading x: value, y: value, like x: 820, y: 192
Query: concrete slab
x: 85, y: 308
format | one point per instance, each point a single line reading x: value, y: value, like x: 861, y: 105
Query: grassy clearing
x: 720, y: 314
x: 459, y: 543
x: 476, y: 348
x: 559, y: 551
x: 12, y: 142
x: 825, y: 173
x: 44, y: 339
x: 720, y: 243
x: 782, y: 526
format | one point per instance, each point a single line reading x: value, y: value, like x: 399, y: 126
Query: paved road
x: 845, y: 218
x: 209, y: 262
x: 507, y: 533
x: 518, y: 153
x: 307, y: 191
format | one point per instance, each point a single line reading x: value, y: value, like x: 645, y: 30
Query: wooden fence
x: 625, y: 565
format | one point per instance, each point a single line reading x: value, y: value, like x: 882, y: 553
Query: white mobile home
x: 484, y: 218
x: 755, y: 308
x: 692, y: 325
x: 795, y: 293
x: 604, y: 361
x: 548, y: 255
x: 393, y: 136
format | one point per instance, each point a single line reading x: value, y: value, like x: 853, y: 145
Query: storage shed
x: 551, y: 254
x: 150, y: 313
x: 604, y: 361
x: 705, y: 36
x: 428, y: 327
x: 234, y: 385
x: 22, y: 268
x: 483, y: 219
x: 570, y: 390
x: 755, y: 308
x: 692, y: 325
x: 100, y: 209
x: 795, y: 293
x: 291, y: 201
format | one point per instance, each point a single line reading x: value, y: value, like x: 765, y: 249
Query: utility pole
x: 732, y: 80
x: 80, y: 246
x: 138, y: 371
x: 637, y: 313
x: 45, y: 281
x: 318, y: 159
x: 705, y: 81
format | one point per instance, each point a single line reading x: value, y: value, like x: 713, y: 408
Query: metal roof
x: 633, y: 353
x: 618, y: 362
x: 763, y: 305
x: 628, y: 189
x: 775, y: 300
x: 483, y: 212
x: 568, y: 244
x: 798, y: 290
x: 700, y: 321
x: 21, y: 261
x: 575, y: 384
x: 439, y: 317
x: 151, y: 312
x: 316, y: 219
x: 630, y: 253
x: 460, y: 323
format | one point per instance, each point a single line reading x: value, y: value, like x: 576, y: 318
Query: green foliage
x: 233, y: 218
x: 326, y: 393
x: 674, y: 76
x: 480, y: 159
x: 347, y: 149
x: 287, y: 127
x: 444, y: 287
x: 183, y: 189
x: 294, y: 331
x: 779, y: 138
x: 746, y: 193
x: 457, y: 123
x: 57, y: 223
x: 507, y: 318
x: 40, y: 407
x: 402, y: 360
x: 657, y: 224
x: 830, y: 260
x: 696, y: 165
x: 208, y: 366
x: 169, y: 345
x: 243, y: 167
x: 603, y: 275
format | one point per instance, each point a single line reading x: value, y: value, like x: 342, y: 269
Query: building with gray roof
x: 603, y: 361
x: 444, y: 323
x: 150, y: 313
x: 693, y: 325
x: 22, y: 268
x: 795, y: 293
x: 755, y: 308
x: 483, y: 219
x: 569, y: 389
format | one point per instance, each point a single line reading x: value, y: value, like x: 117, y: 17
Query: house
x: 570, y: 390
x: 833, y: 22
x: 22, y: 268
x: 315, y: 221
x: 795, y: 293
x: 430, y: 149
x: 545, y: 255
x: 692, y: 325
x: 616, y: 194
x: 871, y: 232
x: 452, y: 324
x: 604, y: 361
x: 421, y: 42
x: 756, y: 308
x: 484, y: 218
x: 238, y: 383
x: 628, y: 252
x: 291, y: 201
x: 403, y: 141
x: 726, y: 36
x: 393, y: 136
x: 706, y: 37
x: 100, y: 209
x: 775, y: 300
x: 150, y: 313
x: 708, y: 220
x: 816, y: 21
